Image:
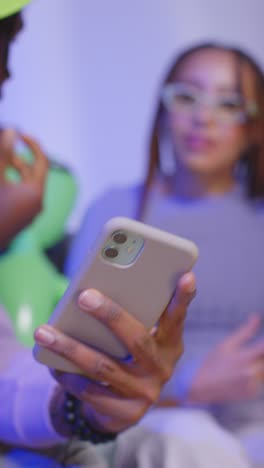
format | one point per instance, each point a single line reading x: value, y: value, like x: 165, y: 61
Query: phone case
x: 143, y: 288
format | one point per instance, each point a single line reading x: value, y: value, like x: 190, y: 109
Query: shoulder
x: 119, y: 194
x: 116, y: 201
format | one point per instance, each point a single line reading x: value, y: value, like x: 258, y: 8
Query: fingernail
x: 189, y: 279
x: 191, y: 288
x: 90, y: 299
x: 44, y: 337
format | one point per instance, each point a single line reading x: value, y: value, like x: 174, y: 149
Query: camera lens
x: 119, y: 237
x: 111, y: 252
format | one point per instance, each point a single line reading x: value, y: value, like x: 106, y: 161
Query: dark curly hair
x: 9, y: 27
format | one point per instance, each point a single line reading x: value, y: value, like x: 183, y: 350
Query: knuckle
x: 152, y: 395
x: 84, y: 391
x: 66, y: 347
x: 101, y: 368
x: 179, y: 304
x: 166, y: 373
x: 178, y: 317
x: 178, y: 351
x: 143, y: 343
x: 178, y: 328
x: 138, y: 414
x: 109, y: 312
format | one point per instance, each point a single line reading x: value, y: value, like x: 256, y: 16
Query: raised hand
x: 234, y: 370
x: 21, y: 201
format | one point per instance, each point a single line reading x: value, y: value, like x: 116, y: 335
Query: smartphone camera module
x: 110, y: 252
x: 122, y: 247
x: 119, y: 237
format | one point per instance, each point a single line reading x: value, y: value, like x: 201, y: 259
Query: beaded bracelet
x: 80, y: 427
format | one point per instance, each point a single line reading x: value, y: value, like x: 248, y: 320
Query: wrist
x: 57, y: 414
x: 68, y: 420
x: 201, y: 393
x: 81, y: 426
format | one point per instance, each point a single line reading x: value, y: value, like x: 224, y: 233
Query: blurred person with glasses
x: 205, y: 181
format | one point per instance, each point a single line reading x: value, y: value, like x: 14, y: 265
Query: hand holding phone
x: 134, y: 264
x: 132, y: 386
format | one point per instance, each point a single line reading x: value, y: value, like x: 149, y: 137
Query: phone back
x: 143, y: 287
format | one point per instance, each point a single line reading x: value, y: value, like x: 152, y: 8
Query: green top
x: 9, y: 7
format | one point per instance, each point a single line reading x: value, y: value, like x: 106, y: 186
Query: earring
x: 168, y: 165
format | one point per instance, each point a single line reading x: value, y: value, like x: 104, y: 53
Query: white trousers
x: 165, y: 438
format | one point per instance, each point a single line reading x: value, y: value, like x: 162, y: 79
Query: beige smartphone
x: 134, y: 264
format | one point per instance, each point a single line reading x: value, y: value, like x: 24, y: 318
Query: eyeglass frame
x: 204, y: 98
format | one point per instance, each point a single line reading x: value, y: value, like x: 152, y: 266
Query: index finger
x: 7, y: 138
x: 41, y: 162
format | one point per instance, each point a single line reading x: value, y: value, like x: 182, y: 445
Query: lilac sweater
x: 25, y: 391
